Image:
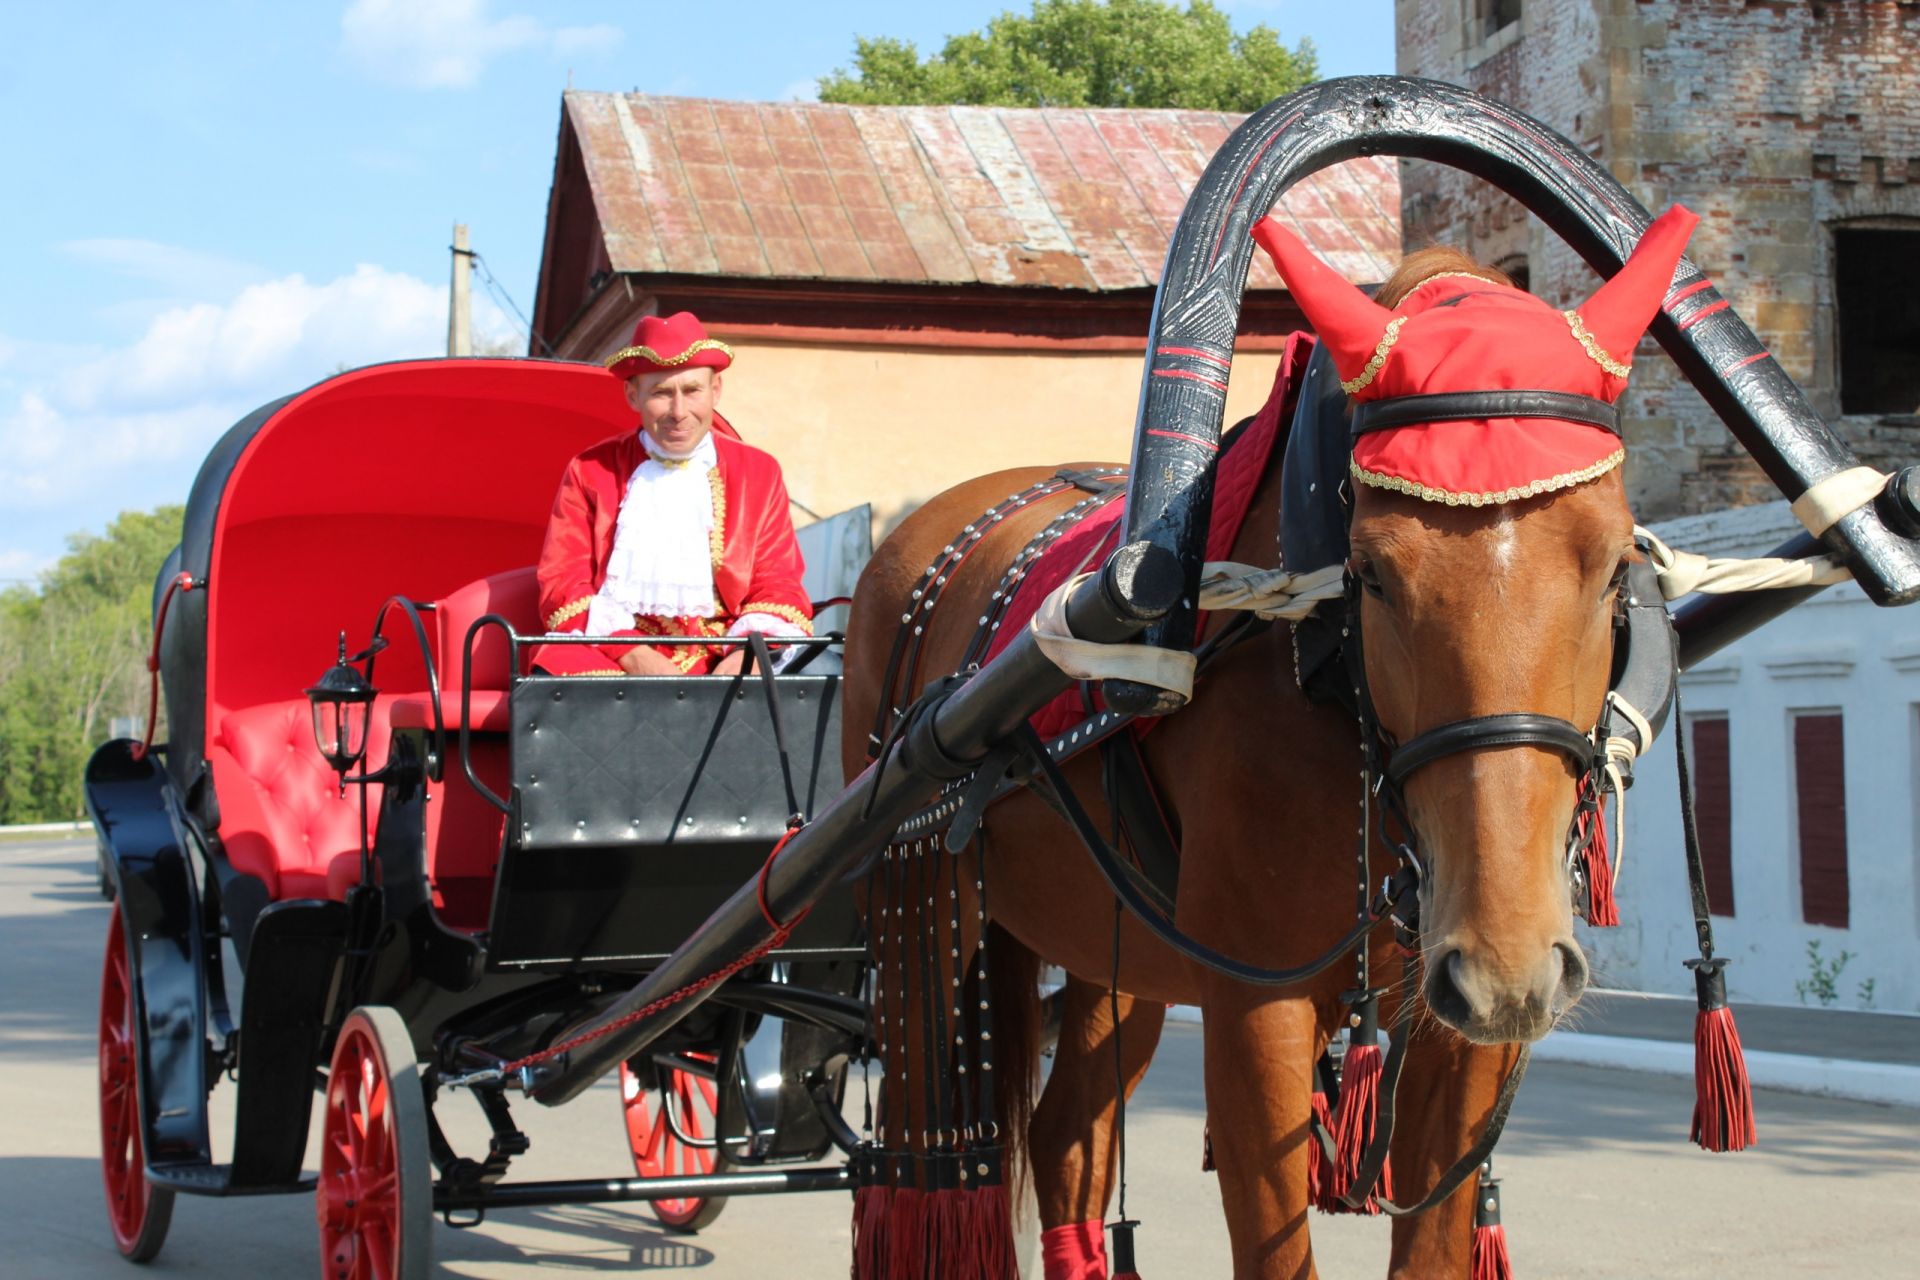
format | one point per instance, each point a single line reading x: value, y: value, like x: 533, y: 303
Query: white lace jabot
x: 661, y: 563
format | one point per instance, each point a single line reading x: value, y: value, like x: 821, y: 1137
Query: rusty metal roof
x: 1063, y: 197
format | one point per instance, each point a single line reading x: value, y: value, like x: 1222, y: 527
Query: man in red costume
x: 675, y: 529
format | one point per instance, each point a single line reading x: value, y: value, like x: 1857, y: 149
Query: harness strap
x: 1471, y: 406
x: 1477, y: 733
x: 1120, y: 878
x: 763, y: 658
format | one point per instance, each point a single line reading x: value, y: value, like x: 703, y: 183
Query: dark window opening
x: 1820, y: 790
x: 1495, y: 15
x: 1713, y: 808
x: 1518, y: 271
x: 1878, y: 319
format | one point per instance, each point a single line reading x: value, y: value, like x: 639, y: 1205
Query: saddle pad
x: 1243, y: 461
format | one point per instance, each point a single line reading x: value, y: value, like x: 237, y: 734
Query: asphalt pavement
x: 1599, y: 1179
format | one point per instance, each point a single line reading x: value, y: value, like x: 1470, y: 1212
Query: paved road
x: 1600, y: 1179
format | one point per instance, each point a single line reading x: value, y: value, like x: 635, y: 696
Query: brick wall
x: 1774, y: 120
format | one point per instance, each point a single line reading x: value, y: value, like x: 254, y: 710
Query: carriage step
x: 215, y: 1180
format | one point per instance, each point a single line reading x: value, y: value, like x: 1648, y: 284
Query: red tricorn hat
x: 674, y: 342
x: 1456, y: 332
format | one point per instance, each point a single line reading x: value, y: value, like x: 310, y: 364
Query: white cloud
x: 87, y: 433
x: 447, y: 44
x: 183, y: 271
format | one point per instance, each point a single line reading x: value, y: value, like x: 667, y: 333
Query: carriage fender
x: 1648, y: 661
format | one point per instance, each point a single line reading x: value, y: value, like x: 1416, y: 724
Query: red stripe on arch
x: 1181, y: 435
x: 1703, y: 313
x: 1190, y: 377
x: 1741, y: 364
x: 1687, y: 292
x: 1196, y: 353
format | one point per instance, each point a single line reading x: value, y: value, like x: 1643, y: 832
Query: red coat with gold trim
x: 756, y: 559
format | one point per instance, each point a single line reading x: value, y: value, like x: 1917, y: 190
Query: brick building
x: 1791, y: 126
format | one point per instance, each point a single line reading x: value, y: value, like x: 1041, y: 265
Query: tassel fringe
x: 1319, y: 1172
x: 1723, y: 1098
x: 1490, y: 1260
x: 1353, y: 1128
x: 1597, y: 867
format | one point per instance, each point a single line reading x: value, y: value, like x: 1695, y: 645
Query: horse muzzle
x: 1490, y: 1002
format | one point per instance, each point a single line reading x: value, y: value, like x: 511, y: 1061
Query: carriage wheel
x: 138, y: 1211
x: 658, y: 1151
x: 375, y: 1194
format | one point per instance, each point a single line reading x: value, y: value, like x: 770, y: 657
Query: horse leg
x: 1447, y: 1089
x: 1259, y: 1074
x: 1071, y: 1137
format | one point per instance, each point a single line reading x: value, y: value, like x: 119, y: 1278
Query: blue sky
x: 212, y: 204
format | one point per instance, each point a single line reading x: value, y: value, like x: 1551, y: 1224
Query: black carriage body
x: 627, y: 832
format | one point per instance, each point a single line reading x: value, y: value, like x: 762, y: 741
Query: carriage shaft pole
x: 1138, y: 584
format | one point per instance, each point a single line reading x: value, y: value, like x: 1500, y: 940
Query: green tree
x: 73, y: 657
x: 1085, y: 53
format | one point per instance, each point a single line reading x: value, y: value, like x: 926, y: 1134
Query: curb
x: 45, y: 828
x: 1886, y: 1083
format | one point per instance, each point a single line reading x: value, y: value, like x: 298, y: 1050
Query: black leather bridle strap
x: 1472, y: 406
x: 1512, y: 729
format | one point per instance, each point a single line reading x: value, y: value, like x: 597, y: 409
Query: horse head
x: 1490, y: 535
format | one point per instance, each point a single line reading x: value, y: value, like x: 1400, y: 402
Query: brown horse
x: 1467, y: 610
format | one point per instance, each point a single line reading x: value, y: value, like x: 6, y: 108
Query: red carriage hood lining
x: 1241, y: 469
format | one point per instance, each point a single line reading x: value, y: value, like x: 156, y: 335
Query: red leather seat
x: 282, y: 817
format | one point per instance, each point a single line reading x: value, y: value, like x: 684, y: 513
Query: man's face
x: 676, y: 406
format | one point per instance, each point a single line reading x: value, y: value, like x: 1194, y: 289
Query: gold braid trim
x: 1387, y: 340
x: 786, y: 611
x: 668, y: 362
x: 566, y: 611
x: 717, y: 536
x: 1380, y: 480
x: 1594, y: 349
x: 1447, y: 275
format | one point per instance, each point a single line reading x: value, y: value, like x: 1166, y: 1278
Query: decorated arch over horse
x: 1196, y: 315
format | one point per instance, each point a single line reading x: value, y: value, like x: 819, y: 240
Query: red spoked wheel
x: 661, y: 1118
x: 375, y: 1195
x: 138, y: 1211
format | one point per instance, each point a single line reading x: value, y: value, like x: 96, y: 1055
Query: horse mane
x: 1423, y: 265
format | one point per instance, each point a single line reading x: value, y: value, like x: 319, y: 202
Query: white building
x: 1804, y: 740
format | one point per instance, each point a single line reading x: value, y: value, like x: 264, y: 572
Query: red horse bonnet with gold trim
x: 1457, y: 333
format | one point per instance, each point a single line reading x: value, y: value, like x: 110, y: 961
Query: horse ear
x: 1347, y: 320
x: 1622, y: 308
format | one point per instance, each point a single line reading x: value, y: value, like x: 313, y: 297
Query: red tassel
x: 1076, y: 1251
x: 1490, y: 1260
x: 1722, y: 1098
x: 871, y: 1211
x: 1319, y: 1174
x: 1206, y: 1149
x: 943, y: 1238
x: 906, y: 1218
x: 1353, y: 1127
x: 1597, y: 866
x: 988, y: 1216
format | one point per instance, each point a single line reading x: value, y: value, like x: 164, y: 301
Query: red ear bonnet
x: 1457, y: 332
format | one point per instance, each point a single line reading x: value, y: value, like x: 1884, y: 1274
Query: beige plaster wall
x: 894, y: 426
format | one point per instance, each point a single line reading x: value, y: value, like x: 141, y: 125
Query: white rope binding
x: 1685, y: 571
x: 1841, y: 494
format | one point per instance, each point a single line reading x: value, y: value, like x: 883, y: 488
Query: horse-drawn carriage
x: 410, y: 885
x: 515, y: 865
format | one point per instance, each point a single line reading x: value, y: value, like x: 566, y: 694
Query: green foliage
x: 73, y: 657
x: 1085, y: 53
x: 1823, y: 976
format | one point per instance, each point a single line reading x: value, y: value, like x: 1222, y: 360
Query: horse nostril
x: 1444, y: 994
x: 1574, y: 975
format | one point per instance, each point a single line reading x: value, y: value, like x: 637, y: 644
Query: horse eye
x: 1369, y: 577
x: 1619, y: 578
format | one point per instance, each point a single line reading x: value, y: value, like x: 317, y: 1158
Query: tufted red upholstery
x: 282, y: 817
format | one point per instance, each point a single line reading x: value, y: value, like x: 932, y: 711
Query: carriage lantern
x: 342, y: 702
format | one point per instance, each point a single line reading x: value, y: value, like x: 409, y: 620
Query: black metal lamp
x: 342, y: 702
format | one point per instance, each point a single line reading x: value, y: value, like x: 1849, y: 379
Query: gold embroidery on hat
x: 668, y: 362
x: 1387, y: 340
x: 1594, y: 349
x: 1532, y: 489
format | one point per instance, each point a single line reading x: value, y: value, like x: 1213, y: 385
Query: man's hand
x: 641, y: 660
